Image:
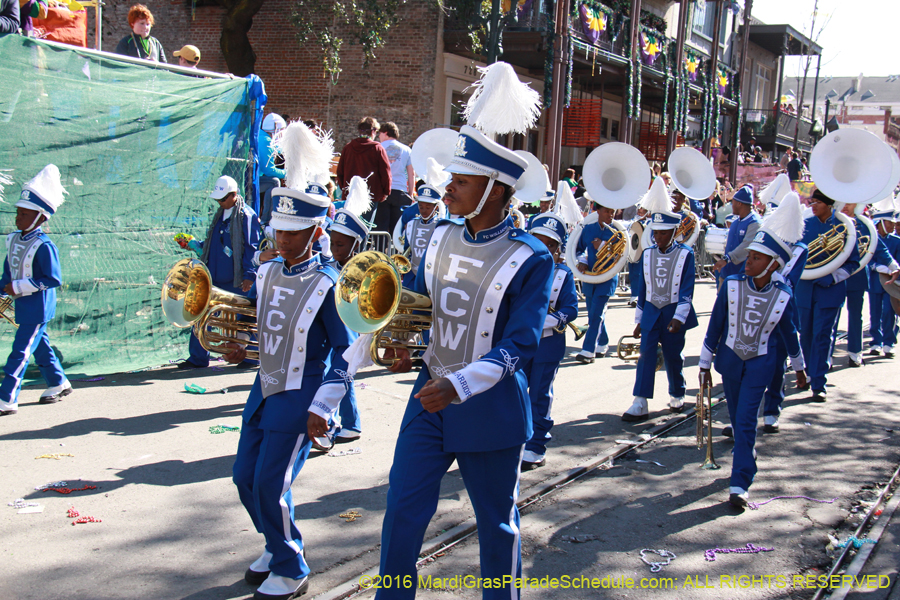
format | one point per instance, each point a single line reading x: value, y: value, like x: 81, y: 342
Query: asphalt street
x: 171, y: 525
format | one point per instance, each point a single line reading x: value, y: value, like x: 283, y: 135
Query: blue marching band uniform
x: 740, y: 235
x: 664, y: 286
x: 596, y: 295
x: 31, y: 272
x: 819, y: 301
x: 302, y: 371
x: 541, y: 370
x: 882, y: 319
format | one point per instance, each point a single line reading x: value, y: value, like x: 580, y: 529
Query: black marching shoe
x: 738, y: 500
x: 728, y: 432
x: 273, y: 588
x: 186, y: 365
x: 255, y: 578
x: 818, y: 396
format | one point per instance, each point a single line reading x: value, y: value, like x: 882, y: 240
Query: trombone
x: 704, y: 420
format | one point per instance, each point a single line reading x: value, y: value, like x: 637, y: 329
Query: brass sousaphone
x: 616, y: 175
x: 695, y: 177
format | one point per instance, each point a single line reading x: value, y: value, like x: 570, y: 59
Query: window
x: 457, y: 105
x: 703, y: 20
x: 614, y: 130
x: 762, y: 85
x: 604, y: 127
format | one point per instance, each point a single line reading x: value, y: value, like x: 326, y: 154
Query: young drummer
x: 541, y: 370
x: 749, y: 309
x: 31, y: 275
x: 664, y: 285
x: 593, y: 237
x: 881, y: 315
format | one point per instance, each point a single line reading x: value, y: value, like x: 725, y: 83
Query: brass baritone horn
x: 631, y: 351
x: 830, y: 249
x: 189, y: 299
x: 579, y: 332
x: 371, y: 299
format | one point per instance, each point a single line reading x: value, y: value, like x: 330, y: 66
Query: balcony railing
x: 761, y: 124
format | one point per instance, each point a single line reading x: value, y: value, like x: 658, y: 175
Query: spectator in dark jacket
x: 366, y: 158
x: 9, y: 16
x: 140, y: 44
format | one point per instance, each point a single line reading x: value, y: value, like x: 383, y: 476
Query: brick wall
x: 398, y: 86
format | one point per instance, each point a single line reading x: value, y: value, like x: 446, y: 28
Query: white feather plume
x: 566, y: 206
x: 359, y: 199
x: 777, y: 189
x: 786, y: 221
x: 48, y: 186
x: 657, y: 198
x: 435, y: 175
x: 885, y: 204
x: 501, y: 103
x: 5, y: 180
x: 307, y: 154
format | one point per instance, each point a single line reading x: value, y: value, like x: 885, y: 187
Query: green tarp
x: 138, y: 148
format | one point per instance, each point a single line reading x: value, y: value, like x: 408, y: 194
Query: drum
x: 715, y: 241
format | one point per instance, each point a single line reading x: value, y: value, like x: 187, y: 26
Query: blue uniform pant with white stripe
x: 596, y: 305
x: 29, y: 339
x: 672, y: 348
x: 492, y: 480
x: 348, y: 411
x: 882, y: 319
x: 266, y: 464
x: 743, y: 395
x: 540, y: 390
x: 774, y: 395
x: 816, y: 327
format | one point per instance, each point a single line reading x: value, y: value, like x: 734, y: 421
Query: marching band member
x: 31, y: 274
x: 301, y: 380
x: 820, y: 299
x: 418, y: 230
x: 541, y: 370
x: 596, y: 295
x: 490, y: 287
x: 229, y: 249
x: 740, y: 233
x: 664, y: 285
x: 786, y: 220
x: 857, y: 286
x: 749, y: 309
x: 881, y: 314
x: 543, y: 207
x: 348, y: 237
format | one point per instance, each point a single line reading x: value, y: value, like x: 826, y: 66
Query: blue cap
x: 349, y: 224
x: 295, y: 211
x: 744, y: 195
x: 664, y: 220
x: 770, y: 244
x: 549, y: 224
x: 882, y: 215
x: 428, y: 194
x: 476, y: 154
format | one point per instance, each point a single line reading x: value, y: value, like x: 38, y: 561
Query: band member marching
x: 542, y: 369
x: 348, y: 237
x: 31, y: 274
x: 740, y: 233
x: 819, y: 300
x: 882, y: 319
x: 490, y: 288
x: 597, y: 295
x: 749, y: 310
x: 664, y: 285
x: 786, y: 219
x: 301, y: 380
x: 419, y: 229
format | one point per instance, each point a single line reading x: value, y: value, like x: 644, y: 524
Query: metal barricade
x: 381, y: 241
x: 703, y: 260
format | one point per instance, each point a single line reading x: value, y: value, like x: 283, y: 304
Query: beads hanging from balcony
x: 548, y: 60
x: 570, y: 66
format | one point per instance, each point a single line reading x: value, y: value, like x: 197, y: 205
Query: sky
x: 857, y: 39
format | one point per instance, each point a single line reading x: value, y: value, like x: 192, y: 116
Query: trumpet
x: 189, y: 299
x: 704, y: 421
x: 371, y: 299
x: 579, y: 332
